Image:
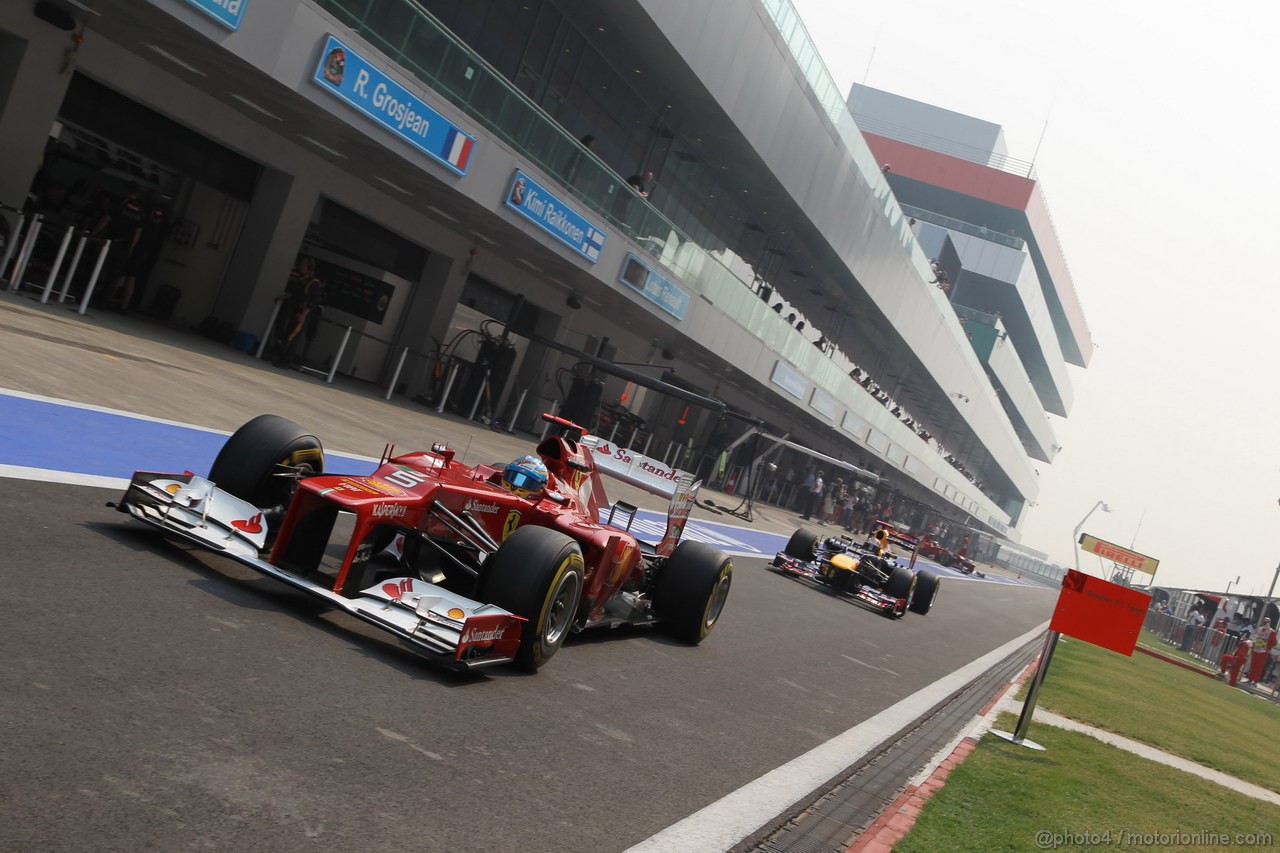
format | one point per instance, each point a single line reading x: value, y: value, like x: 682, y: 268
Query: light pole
x: 1075, y: 537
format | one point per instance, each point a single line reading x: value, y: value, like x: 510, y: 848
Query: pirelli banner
x: 1118, y: 554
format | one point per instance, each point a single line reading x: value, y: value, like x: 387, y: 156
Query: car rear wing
x: 654, y: 477
x: 636, y: 469
x: 897, y: 535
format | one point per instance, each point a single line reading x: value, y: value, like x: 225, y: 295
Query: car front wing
x: 448, y: 628
x: 863, y: 593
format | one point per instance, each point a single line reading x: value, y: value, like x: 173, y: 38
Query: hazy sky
x: 1158, y: 164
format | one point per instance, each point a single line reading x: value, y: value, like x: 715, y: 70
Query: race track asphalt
x: 155, y: 697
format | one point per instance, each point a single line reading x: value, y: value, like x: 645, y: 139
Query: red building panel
x: 952, y: 173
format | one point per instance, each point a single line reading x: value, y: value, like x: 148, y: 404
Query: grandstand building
x: 640, y: 211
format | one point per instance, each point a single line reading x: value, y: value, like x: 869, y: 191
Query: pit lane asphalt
x: 156, y: 697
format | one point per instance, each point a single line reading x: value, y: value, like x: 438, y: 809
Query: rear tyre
x: 691, y: 590
x: 927, y: 586
x: 251, y: 462
x: 536, y: 573
x: 803, y: 544
x: 902, y: 584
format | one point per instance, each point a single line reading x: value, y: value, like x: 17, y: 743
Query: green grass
x: 1174, y: 710
x: 1003, y: 795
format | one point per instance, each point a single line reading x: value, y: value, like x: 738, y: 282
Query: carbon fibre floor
x: 829, y: 823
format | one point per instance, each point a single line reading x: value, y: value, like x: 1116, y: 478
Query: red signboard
x: 1099, y: 612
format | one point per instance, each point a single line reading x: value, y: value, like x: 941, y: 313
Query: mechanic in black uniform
x: 123, y: 227
x: 299, y: 318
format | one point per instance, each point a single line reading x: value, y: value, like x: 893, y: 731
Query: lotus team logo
x: 335, y: 66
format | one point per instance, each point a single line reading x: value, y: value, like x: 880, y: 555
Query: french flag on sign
x: 457, y: 149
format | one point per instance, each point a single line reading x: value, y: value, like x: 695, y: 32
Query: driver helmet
x: 525, y: 477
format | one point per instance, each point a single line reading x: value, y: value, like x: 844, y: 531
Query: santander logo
x: 252, y: 525
x: 478, y: 636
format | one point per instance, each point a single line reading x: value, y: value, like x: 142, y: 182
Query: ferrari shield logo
x: 509, y: 526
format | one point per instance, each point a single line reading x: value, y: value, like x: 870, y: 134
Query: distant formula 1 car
x: 470, y: 566
x: 861, y: 570
x: 931, y: 550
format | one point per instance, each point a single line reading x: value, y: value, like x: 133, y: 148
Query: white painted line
x: 726, y: 822
x: 47, y: 475
x: 975, y: 729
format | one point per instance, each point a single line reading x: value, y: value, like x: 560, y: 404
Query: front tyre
x: 262, y: 461
x: 803, y: 545
x: 536, y: 573
x: 927, y: 586
x: 691, y: 590
x: 902, y: 584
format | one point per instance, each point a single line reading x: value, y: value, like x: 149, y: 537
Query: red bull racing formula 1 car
x: 864, y: 570
x: 471, y: 566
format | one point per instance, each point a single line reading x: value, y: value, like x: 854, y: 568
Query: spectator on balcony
x: 641, y: 183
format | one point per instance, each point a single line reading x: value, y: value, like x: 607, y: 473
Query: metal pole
x: 1033, y: 693
x: 71, y: 270
x: 448, y: 386
x: 1075, y: 540
x: 519, y: 405
x: 479, y: 395
x: 24, y: 256
x: 266, y: 333
x: 13, y: 241
x: 396, y: 376
x: 57, y: 265
x: 346, y: 336
x: 93, y: 277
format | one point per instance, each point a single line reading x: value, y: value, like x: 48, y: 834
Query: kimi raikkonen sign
x: 1099, y: 612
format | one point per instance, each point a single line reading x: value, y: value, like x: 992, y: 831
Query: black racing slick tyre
x: 536, y: 573
x: 252, y: 461
x: 803, y: 544
x: 927, y: 586
x: 691, y: 590
x: 902, y: 584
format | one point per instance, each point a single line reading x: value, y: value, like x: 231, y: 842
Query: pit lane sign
x: 229, y: 13
x: 544, y: 209
x: 1117, y: 554
x: 348, y: 76
x: 1100, y: 612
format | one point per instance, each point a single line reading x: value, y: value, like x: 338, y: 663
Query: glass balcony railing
x: 964, y: 227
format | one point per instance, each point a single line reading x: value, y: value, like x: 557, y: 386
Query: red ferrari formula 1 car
x: 931, y: 550
x: 866, y: 572
x: 472, y: 566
